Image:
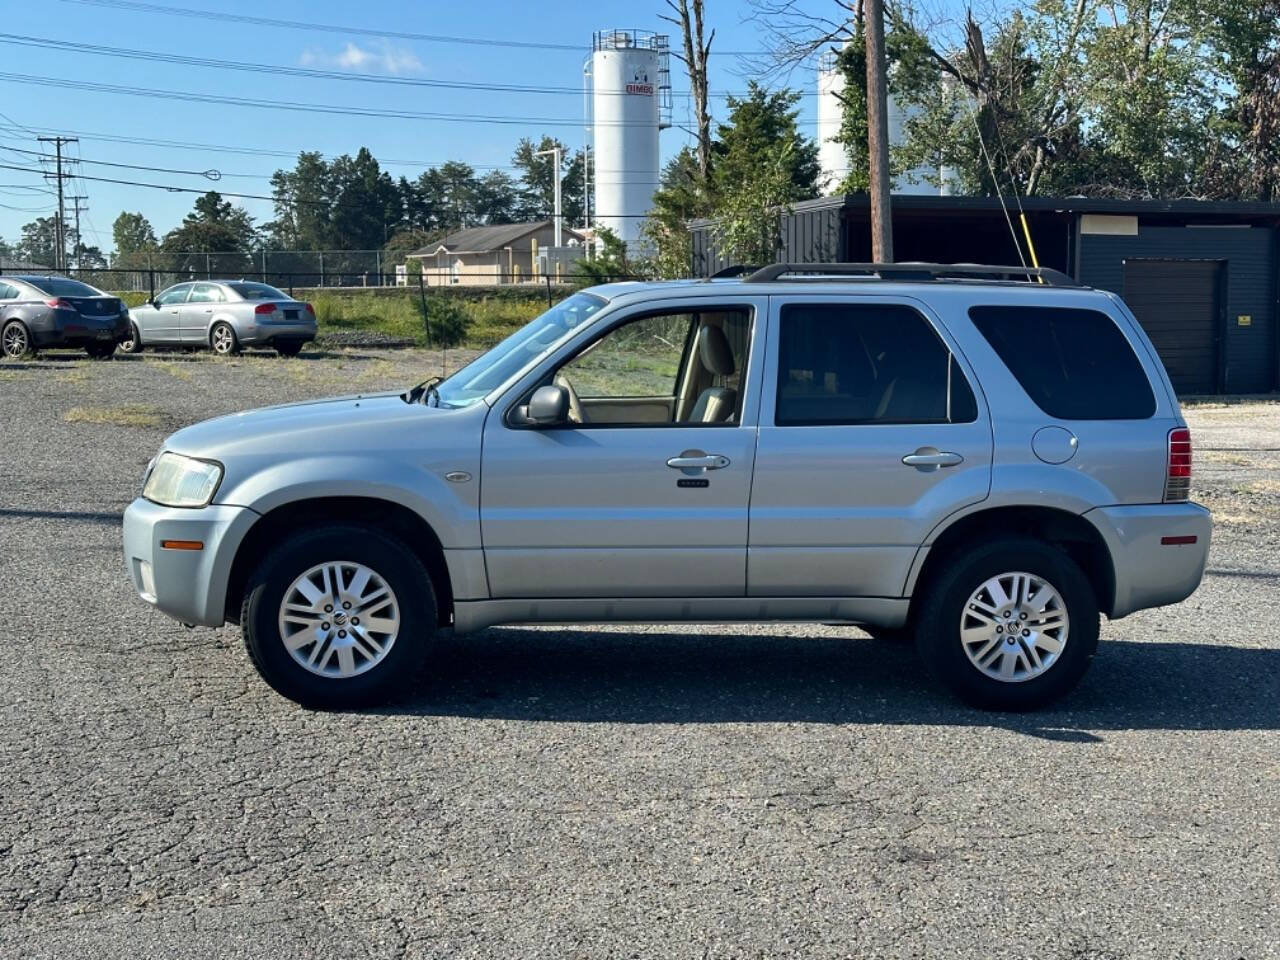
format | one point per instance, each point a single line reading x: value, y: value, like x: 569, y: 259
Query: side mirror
x: 548, y: 406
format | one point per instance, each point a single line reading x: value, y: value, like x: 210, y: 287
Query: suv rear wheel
x: 1010, y: 625
x: 339, y: 617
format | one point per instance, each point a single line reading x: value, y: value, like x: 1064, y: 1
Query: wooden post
x: 878, y: 135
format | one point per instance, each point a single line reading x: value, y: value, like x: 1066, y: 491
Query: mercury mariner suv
x: 984, y: 459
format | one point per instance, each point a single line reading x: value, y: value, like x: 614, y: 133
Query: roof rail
x: 915, y: 272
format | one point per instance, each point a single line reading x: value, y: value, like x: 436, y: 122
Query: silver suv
x: 983, y: 459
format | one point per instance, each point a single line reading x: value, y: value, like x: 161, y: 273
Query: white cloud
x: 384, y: 58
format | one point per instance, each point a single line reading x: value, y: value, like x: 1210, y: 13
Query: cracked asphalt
x: 680, y: 791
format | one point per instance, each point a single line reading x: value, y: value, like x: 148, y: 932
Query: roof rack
x: 915, y: 272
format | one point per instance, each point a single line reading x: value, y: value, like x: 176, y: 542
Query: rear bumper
x: 188, y: 585
x: 80, y: 333
x: 1149, y: 572
x: 271, y: 332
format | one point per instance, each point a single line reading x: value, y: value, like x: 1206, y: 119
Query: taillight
x: 1177, y: 482
x: 310, y: 309
x: 59, y: 304
x: 264, y: 308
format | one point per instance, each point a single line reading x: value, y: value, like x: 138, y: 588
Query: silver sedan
x: 224, y: 315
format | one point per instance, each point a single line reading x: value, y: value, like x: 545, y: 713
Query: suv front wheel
x: 339, y: 617
x: 1010, y: 625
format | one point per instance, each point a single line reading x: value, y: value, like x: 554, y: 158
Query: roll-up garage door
x: 1176, y: 301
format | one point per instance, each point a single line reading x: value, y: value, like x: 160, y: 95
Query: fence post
x: 549, y: 303
x: 322, y: 268
x: 422, y: 292
x: 151, y: 282
x: 264, y: 265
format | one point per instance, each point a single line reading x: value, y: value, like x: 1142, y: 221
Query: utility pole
x: 60, y: 255
x: 555, y: 155
x: 78, y: 248
x: 878, y: 135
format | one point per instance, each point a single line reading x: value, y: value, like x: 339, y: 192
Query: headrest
x: 715, y: 352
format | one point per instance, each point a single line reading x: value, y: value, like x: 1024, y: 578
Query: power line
x: 208, y: 174
x: 292, y: 106
x: 138, y: 7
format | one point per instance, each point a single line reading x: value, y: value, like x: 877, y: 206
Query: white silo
x: 833, y: 159
x: 630, y: 103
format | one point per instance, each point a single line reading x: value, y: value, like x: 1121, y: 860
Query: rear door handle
x: 706, y: 461
x: 931, y: 458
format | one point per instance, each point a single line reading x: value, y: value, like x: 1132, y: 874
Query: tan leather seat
x: 715, y: 404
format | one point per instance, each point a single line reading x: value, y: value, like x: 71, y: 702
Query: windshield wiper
x: 423, y: 391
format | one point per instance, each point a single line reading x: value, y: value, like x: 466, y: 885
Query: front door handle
x: 931, y: 458
x: 701, y: 461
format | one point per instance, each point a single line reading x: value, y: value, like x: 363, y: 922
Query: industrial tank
x: 630, y: 103
x: 833, y: 160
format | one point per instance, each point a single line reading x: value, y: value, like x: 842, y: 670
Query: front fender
x: 452, y: 510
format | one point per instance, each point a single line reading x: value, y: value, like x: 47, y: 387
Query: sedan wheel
x: 223, y: 340
x: 15, y: 340
x: 134, y: 343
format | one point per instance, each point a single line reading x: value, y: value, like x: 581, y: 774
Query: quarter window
x: 866, y: 364
x: 1074, y: 364
x: 7, y: 292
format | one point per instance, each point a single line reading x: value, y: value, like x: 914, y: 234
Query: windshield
x: 62, y: 287
x: 258, y: 291
x: 492, y: 369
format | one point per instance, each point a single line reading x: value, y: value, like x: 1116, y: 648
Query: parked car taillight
x: 59, y: 304
x: 264, y: 308
x: 310, y: 309
x: 1177, y: 483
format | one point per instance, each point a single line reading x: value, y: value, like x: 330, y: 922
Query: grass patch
x: 463, y: 321
x: 176, y: 370
x: 125, y: 415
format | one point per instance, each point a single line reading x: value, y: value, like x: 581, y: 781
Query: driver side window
x: 679, y: 368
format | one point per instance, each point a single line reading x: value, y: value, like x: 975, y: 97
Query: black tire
x: 134, y: 343
x: 223, y: 340
x: 937, y: 625
x: 394, y: 562
x: 100, y: 351
x: 289, y: 348
x: 15, y: 340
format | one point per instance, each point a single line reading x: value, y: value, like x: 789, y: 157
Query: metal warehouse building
x: 1202, y: 277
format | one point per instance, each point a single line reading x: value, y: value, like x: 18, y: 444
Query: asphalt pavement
x: 675, y: 790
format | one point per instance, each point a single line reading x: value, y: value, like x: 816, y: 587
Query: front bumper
x: 1149, y: 572
x: 188, y: 585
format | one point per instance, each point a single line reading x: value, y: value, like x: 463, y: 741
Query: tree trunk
x: 696, y: 50
x: 878, y: 135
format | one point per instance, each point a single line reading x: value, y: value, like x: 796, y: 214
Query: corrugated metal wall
x: 808, y: 236
x: 1251, y: 287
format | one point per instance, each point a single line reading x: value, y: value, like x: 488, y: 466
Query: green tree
x: 763, y: 124
x: 748, y: 225
x: 365, y: 206
x: 39, y: 242
x: 214, y: 226
x: 608, y: 263
x: 683, y: 196
x: 303, y: 198
x: 134, y: 239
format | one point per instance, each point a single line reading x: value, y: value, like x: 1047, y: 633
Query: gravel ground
x: 667, y: 791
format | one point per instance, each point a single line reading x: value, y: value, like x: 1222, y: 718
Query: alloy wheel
x: 339, y: 619
x: 15, y: 340
x: 1014, y: 627
x: 224, y: 341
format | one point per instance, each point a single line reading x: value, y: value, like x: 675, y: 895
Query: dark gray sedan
x: 223, y: 315
x: 37, y: 312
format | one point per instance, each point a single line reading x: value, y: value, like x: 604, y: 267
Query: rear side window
x: 1075, y: 364
x: 864, y: 364
x: 258, y: 291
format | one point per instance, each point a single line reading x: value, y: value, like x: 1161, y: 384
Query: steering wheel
x: 575, y: 406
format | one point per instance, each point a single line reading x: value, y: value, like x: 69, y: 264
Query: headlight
x: 178, y: 481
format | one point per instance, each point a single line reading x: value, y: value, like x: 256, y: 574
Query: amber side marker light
x: 1177, y: 541
x: 182, y: 544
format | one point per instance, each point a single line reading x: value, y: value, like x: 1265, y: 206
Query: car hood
x: 350, y: 424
